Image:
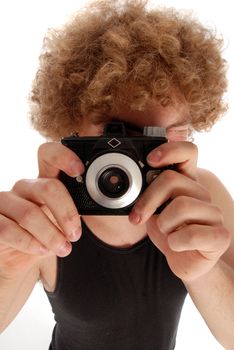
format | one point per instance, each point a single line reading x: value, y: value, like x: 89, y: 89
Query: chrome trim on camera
x: 154, y: 131
x: 107, y: 161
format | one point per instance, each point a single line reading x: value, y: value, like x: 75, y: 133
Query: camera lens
x: 113, y: 182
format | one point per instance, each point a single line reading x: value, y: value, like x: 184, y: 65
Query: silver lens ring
x: 108, y: 161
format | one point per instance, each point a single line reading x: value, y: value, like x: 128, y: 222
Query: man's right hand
x: 38, y: 217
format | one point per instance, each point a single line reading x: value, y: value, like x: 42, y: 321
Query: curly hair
x: 114, y: 52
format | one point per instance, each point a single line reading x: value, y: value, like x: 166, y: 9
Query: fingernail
x: 75, y: 234
x: 134, y: 217
x: 154, y: 156
x: 76, y: 167
x: 64, y: 249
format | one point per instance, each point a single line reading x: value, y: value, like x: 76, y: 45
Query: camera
x: 116, y: 171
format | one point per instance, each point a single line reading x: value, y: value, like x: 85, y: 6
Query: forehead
x: 156, y: 114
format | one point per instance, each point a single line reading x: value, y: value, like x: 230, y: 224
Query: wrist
x: 205, y: 278
x: 17, y: 271
x: 220, y: 272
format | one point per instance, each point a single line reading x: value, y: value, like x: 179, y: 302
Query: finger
x: 211, y: 241
x: 169, y: 184
x: 182, y: 153
x: 32, y: 219
x: 53, y: 157
x: 54, y: 195
x: 187, y: 210
x: 12, y: 235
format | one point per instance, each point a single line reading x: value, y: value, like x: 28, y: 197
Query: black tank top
x: 110, y: 298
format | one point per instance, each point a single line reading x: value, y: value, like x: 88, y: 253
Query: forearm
x: 13, y: 294
x: 213, y: 295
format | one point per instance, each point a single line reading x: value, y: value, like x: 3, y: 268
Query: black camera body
x: 116, y: 171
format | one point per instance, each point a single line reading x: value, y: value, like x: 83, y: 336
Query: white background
x: 22, y: 27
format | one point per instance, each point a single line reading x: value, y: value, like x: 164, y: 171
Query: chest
x: 96, y: 284
x: 116, y: 298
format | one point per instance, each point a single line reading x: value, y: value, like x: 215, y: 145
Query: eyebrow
x: 186, y: 120
x: 130, y: 126
x: 133, y: 127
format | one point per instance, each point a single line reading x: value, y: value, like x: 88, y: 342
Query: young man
x: 122, y: 282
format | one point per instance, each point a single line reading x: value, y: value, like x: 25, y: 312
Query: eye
x: 180, y: 133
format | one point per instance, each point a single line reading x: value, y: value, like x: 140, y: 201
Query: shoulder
x: 218, y: 193
x: 214, y: 185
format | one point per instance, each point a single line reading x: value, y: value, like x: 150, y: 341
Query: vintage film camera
x: 116, y: 171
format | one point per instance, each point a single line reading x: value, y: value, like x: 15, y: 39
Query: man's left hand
x: 190, y: 230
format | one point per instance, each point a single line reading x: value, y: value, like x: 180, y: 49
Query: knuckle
x: 207, y: 196
x: 51, y: 187
x: 21, y: 241
x: 42, y: 148
x: 223, y: 235
x: 194, y: 147
x: 182, y: 204
x: 16, y: 239
x: 41, y: 153
x: 218, y: 214
x: 29, y: 215
x: 18, y: 185
x: 169, y: 175
x: 191, y: 235
x: 48, y: 154
x: 72, y: 215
